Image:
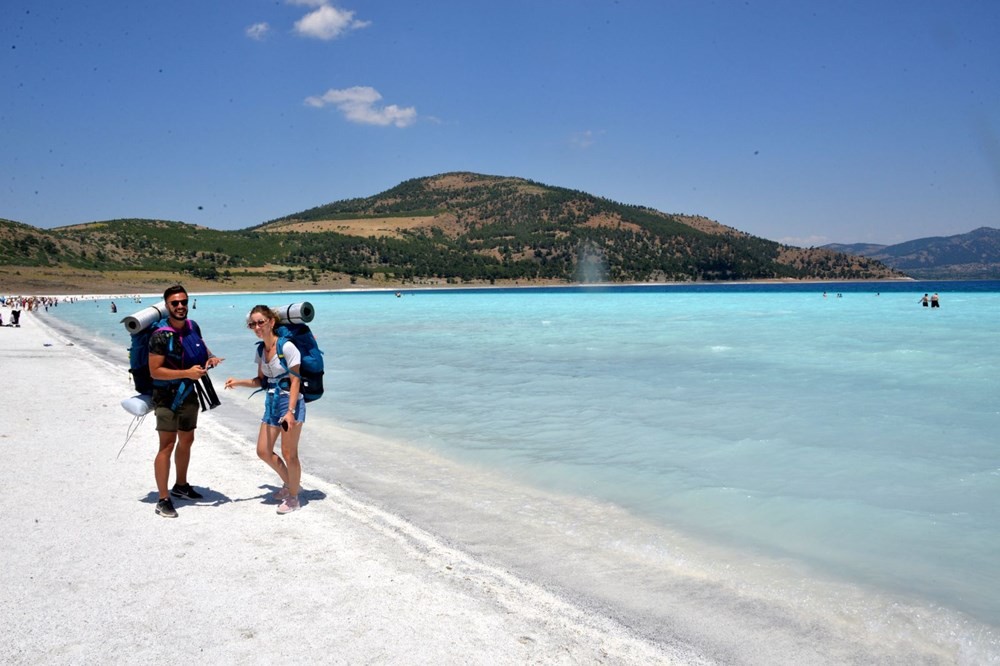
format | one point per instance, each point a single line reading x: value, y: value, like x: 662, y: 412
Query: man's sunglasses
x: 176, y: 303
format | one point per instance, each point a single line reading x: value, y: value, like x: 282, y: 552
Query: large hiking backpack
x: 311, y: 365
x: 138, y: 354
x: 138, y: 359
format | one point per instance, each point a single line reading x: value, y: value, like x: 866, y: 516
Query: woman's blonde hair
x: 264, y: 310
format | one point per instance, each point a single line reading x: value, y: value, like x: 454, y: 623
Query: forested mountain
x: 454, y: 227
x: 975, y: 255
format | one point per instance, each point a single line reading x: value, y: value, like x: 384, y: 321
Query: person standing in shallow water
x: 284, y: 405
x: 924, y: 301
x: 935, y: 301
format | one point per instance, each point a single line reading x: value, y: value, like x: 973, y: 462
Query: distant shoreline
x: 46, y: 281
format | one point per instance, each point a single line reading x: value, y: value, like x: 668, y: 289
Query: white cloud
x: 585, y: 139
x: 326, y: 22
x: 258, y: 31
x: 358, y: 105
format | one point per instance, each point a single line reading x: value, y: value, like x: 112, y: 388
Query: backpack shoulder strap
x: 277, y: 349
x: 162, y: 325
x: 280, y: 352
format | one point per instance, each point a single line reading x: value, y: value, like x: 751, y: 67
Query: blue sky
x: 803, y: 122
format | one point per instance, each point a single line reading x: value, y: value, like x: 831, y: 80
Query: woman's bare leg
x: 265, y: 451
x: 290, y: 452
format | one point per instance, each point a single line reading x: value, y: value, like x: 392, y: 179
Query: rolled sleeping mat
x: 143, y: 319
x: 138, y: 405
x: 295, y: 313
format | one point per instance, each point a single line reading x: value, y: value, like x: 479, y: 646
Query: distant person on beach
x: 284, y: 406
x: 935, y: 301
x: 924, y: 301
x: 15, y: 317
x: 178, y: 357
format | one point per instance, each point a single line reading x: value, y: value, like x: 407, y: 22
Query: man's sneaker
x: 185, y: 492
x: 290, y: 504
x: 166, y: 509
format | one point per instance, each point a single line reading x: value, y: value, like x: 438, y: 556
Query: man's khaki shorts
x: 184, y: 419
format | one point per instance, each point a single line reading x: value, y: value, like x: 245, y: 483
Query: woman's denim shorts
x: 276, y: 404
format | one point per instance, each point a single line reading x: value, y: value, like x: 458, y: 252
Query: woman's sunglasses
x: 256, y: 324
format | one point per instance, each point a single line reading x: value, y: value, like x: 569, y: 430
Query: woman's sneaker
x: 290, y: 504
x: 281, y: 495
x: 166, y: 508
x: 185, y: 492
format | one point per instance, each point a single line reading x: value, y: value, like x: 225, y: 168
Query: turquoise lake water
x: 834, y: 455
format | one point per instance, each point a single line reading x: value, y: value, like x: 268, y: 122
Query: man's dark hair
x: 176, y: 289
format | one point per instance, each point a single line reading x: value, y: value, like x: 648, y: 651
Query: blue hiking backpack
x: 311, y: 366
x: 138, y: 354
x: 138, y: 359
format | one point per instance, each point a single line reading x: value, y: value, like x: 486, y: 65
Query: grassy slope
x: 455, y: 228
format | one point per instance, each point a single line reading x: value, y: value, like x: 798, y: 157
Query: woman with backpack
x: 284, y: 405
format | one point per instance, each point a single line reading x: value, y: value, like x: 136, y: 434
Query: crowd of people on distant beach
x: 19, y: 304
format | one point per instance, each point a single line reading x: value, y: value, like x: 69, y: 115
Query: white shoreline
x: 91, y: 574
x: 459, y: 287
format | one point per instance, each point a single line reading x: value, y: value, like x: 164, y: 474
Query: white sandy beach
x: 91, y: 574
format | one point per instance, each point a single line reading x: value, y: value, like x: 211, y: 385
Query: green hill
x: 455, y: 227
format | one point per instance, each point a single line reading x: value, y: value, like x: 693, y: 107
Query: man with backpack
x: 178, y: 357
